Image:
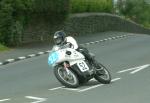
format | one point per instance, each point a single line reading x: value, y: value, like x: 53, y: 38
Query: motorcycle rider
x: 60, y: 39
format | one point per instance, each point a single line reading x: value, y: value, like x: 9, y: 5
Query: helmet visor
x: 58, y: 41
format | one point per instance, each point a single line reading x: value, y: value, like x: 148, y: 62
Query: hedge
x: 79, y: 6
x: 16, y: 14
x: 138, y: 11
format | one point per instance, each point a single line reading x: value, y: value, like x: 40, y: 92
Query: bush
x: 51, y: 9
x: 16, y: 14
x: 138, y: 11
x: 10, y: 12
x: 78, y: 6
x: 2, y: 48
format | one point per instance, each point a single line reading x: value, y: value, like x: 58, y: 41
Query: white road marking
x: 105, y: 39
x: 115, y: 79
x: 109, y: 38
x: 114, y: 37
x: 72, y: 89
x: 31, y: 55
x: 95, y: 86
x: 40, y: 52
x: 136, y: 69
x: 1, y: 63
x: 21, y: 57
x: 92, y: 42
x: 101, y: 40
x: 38, y: 100
x: 57, y: 88
x: 10, y: 60
x: 96, y: 41
x: 92, y: 87
x: 63, y: 87
x: 140, y: 68
x: 118, y: 36
x: 87, y: 43
x: 3, y: 100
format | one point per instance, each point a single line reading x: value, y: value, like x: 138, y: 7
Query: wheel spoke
x: 69, y: 78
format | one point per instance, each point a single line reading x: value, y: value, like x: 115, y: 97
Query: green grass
x: 79, y: 6
x: 3, y: 48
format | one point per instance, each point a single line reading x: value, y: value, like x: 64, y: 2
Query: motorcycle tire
x: 101, y: 72
x: 63, y: 81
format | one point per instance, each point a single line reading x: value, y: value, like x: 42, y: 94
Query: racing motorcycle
x: 72, y: 69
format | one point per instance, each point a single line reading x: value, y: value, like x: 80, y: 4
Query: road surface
x: 128, y: 60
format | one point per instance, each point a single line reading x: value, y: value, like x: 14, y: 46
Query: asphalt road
x: 34, y: 48
x: 32, y: 80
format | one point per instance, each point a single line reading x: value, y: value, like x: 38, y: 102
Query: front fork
x: 66, y: 66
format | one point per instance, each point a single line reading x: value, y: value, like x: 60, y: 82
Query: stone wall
x: 88, y: 23
x: 81, y: 24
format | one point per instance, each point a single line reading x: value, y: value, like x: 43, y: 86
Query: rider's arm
x: 55, y: 47
x: 72, y: 42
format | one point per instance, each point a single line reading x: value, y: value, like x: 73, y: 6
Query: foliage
x: 51, y: 9
x: 15, y: 14
x: 2, y: 48
x: 138, y: 11
x: 11, y: 11
x: 91, y: 6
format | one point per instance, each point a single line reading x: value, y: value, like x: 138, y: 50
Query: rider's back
x: 71, y: 40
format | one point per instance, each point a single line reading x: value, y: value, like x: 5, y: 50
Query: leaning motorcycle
x: 72, y: 69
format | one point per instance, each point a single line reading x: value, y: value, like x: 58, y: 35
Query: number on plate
x: 83, y: 66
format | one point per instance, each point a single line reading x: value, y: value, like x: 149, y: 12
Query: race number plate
x: 83, y: 66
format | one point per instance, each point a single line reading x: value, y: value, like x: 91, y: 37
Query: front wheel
x: 69, y: 80
x: 102, y: 74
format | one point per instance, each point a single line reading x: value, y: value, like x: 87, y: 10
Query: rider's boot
x: 95, y: 63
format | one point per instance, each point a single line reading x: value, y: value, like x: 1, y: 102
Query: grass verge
x: 3, y: 48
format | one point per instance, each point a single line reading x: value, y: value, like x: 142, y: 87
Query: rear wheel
x: 69, y: 80
x: 102, y: 74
